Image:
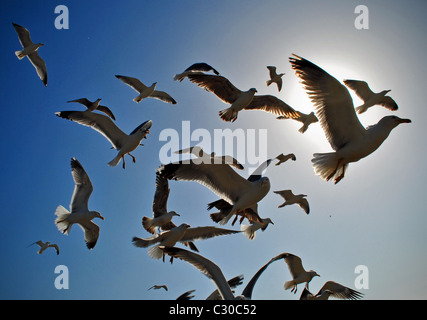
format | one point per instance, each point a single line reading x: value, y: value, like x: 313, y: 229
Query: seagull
x: 30, y: 50
x: 144, y: 91
x: 275, y: 78
x: 162, y: 217
x: 291, y: 198
x: 370, y: 98
x: 283, y: 158
x: 156, y: 287
x: 335, y: 111
x: 297, y: 271
x: 238, y: 99
x: 196, y: 68
x: 121, y: 141
x: 332, y: 289
x: 79, y: 212
x: 222, y: 180
x: 249, y: 230
x: 213, y: 272
x: 182, y: 233
x: 305, y: 119
x: 204, y: 157
x: 44, y: 245
x: 94, y: 106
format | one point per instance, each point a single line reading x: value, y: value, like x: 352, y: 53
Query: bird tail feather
x: 289, y: 284
x: 61, y: 220
x: 325, y: 165
x: 155, y: 252
x: 268, y: 82
x: 247, y: 231
x: 228, y: 114
x: 19, y: 54
x: 115, y: 161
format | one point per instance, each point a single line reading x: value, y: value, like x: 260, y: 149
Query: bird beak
x: 405, y: 121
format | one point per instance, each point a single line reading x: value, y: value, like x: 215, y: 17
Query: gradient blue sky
x: 374, y: 217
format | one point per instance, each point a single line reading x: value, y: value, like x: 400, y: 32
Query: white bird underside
x: 222, y: 180
x: 139, y: 87
x: 79, y: 212
x: 335, y: 110
x: 94, y: 106
x: 228, y: 93
x: 38, y: 63
x: 182, y: 233
x: 370, y: 98
x: 104, y: 125
x: 291, y: 198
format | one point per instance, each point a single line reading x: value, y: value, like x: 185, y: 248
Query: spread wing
x: 218, y: 85
x: 221, y: 179
x: 160, y: 196
x: 98, y: 122
x: 341, y: 292
x: 23, y: 35
x: 40, y: 66
x: 273, y: 105
x: 134, y: 83
x: 201, y: 233
x: 82, y: 187
x: 333, y: 104
x: 361, y: 88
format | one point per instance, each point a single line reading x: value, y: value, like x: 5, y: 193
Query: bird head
x: 174, y: 213
x: 313, y: 274
x: 253, y: 90
x: 96, y: 214
x: 393, y: 121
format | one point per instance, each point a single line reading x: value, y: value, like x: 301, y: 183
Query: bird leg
x: 133, y: 158
x: 234, y: 221
x: 294, y: 289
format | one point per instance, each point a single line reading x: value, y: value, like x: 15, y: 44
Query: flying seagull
x: 183, y: 233
x: 335, y: 111
x: 91, y: 106
x: 44, y: 245
x: 162, y: 218
x: 79, y: 212
x: 213, y: 272
x: 332, y: 289
x: 30, y: 50
x: 104, y: 125
x: 275, y: 77
x: 291, y: 198
x: 283, y: 158
x: 144, y: 91
x: 249, y: 230
x: 196, y: 68
x: 202, y: 156
x: 240, y: 100
x: 157, y: 287
x: 305, y: 119
x: 298, y: 273
x: 370, y: 98
x: 222, y: 180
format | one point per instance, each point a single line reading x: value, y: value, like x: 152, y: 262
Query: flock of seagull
x: 237, y: 196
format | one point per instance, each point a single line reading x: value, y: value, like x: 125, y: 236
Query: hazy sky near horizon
x: 375, y: 217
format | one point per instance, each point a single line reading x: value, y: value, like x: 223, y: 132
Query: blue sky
x: 374, y: 217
